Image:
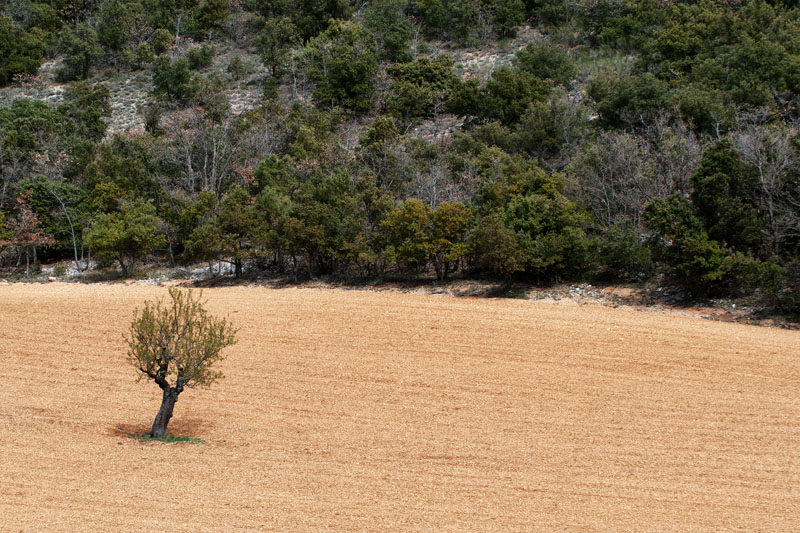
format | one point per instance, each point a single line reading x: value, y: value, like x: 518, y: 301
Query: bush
x: 201, y: 57
x: 549, y: 231
x: 210, y: 14
x: 455, y: 18
x: 173, y: 79
x: 88, y: 107
x: 787, y: 293
x: 546, y: 61
x: 145, y: 54
x: 622, y: 255
x: 406, y: 229
x: 508, y: 14
x: 237, y: 68
x: 210, y: 95
x: 701, y: 263
x: 44, y: 17
x: 745, y: 273
x: 418, y: 87
x: 723, y: 195
x: 679, y: 239
x: 505, y: 98
x: 549, y: 129
x: 388, y: 22
x: 632, y: 101
x: 22, y: 52
x: 495, y: 248
x: 152, y: 113
x: 343, y: 63
x: 161, y: 41
x: 114, y: 23
x: 449, y: 224
x: 127, y: 236
x: 82, y: 50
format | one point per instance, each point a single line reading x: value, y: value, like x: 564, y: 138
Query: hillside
x: 617, y: 141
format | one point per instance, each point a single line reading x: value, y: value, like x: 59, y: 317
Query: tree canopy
x: 522, y: 140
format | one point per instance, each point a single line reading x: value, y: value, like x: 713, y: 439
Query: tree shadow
x: 180, y: 427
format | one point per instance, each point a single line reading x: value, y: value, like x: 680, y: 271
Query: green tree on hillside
x: 505, y: 97
x: 449, y: 224
x: 116, y: 21
x: 723, y: 194
x: 173, y: 79
x: 546, y: 61
x: 342, y: 62
x: 274, y: 42
x: 407, y: 234
x: 229, y: 234
x: 496, y: 248
x: 679, y: 239
x: 125, y: 236
x: 22, y: 52
x: 392, y: 29
x: 82, y: 51
x: 420, y: 88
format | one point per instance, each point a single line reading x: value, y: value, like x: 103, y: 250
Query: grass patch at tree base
x: 167, y: 438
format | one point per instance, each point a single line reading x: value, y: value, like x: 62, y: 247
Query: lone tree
x: 175, y: 344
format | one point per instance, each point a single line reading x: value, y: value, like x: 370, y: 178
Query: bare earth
x: 355, y: 410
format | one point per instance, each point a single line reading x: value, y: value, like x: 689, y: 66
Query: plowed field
x: 351, y: 410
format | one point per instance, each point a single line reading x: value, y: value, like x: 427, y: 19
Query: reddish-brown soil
x: 355, y: 410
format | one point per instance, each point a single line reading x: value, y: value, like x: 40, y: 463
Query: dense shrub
x: 420, y: 88
x: 173, y: 79
x: 343, y: 63
x: 22, y: 51
x: 546, y: 61
x: 201, y: 57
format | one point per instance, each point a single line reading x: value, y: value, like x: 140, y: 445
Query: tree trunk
x: 168, y: 400
x: 123, y: 266
x: 237, y: 265
x: 71, y: 229
x: 440, y: 269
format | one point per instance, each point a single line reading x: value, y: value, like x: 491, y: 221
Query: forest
x: 613, y: 140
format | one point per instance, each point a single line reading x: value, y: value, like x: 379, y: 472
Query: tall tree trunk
x: 237, y: 265
x: 168, y: 400
x: 71, y: 229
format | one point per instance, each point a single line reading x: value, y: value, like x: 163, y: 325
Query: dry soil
x: 353, y: 410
